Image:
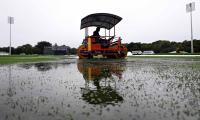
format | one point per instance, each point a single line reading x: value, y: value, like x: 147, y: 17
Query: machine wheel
x: 122, y: 53
x: 82, y: 47
x: 81, y: 56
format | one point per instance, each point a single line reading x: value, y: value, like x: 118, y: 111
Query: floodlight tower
x: 190, y: 8
x: 10, y: 21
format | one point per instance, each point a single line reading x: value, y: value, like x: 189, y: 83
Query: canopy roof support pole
x: 114, y: 28
x: 86, y: 32
x: 105, y: 32
x: 109, y: 33
x: 114, y: 31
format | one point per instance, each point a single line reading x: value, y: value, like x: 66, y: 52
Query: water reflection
x: 27, y: 92
x: 100, y: 81
x: 26, y: 66
x: 140, y: 89
x: 11, y: 88
x: 45, y: 66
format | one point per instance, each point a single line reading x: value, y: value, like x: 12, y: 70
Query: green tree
x: 186, y: 46
x: 196, y: 45
x: 179, y: 47
x: 72, y: 51
x: 161, y: 46
x: 146, y: 46
x: 133, y: 46
x: 27, y: 49
x: 39, y: 48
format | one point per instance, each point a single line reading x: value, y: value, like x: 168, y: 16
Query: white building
x: 136, y: 52
x: 4, y: 53
x: 148, y: 52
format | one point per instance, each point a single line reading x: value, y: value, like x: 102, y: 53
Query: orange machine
x: 109, y: 45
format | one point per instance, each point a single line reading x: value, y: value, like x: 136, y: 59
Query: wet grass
x: 28, y: 58
x: 177, y: 53
x: 167, y: 57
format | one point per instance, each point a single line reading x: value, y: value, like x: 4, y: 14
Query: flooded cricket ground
x: 99, y: 89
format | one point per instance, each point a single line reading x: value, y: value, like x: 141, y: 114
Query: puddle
x: 140, y: 89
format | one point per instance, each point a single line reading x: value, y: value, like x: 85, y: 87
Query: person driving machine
x: 103, y: 42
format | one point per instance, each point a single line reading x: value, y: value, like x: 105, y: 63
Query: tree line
x: 37, y: 49
x: 160, y: 46
x: 165, y: 46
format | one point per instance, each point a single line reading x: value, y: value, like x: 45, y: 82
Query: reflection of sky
x: 151, y: 89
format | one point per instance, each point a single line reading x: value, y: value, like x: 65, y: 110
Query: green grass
x: 28, y: 58
x: 37, y: 58
x: 178, y: 54
x: 167, y: 57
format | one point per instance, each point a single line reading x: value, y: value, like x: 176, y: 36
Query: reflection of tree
x: 101, y: 73
x: 105, y: 95
x: 43, y: 66
x: 50, y: 65
x: 25, y: 66
x: 39, y: 66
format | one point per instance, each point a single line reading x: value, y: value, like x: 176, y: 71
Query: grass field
x: 28, y: 58
x: 197, y: 57
x: 37, y: 58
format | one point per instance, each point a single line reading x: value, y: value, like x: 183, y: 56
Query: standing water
x: 138, y: 89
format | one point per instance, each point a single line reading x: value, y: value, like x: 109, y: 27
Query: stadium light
x: 10, y: 21
x: 189, y: 9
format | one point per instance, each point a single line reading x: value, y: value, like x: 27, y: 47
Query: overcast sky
x: 58, y: 21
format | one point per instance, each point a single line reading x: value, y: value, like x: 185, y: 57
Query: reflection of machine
x: 102, y: 77
x: 101, y: 45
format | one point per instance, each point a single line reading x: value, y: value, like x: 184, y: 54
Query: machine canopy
x: 102, y: 20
